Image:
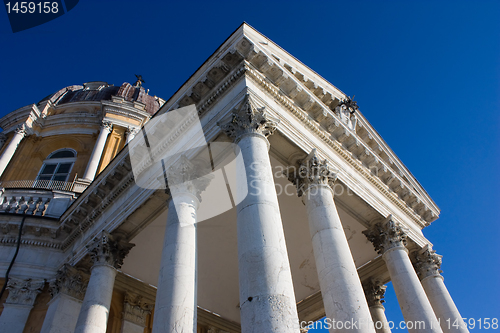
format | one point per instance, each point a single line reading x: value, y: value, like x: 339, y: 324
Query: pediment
x: 249, y: 53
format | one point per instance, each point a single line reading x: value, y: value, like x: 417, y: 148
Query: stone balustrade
x: 35, y: 202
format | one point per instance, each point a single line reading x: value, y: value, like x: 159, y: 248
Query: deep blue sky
x: 425, y: 74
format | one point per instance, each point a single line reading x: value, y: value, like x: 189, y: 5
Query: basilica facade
x: 257, y: 198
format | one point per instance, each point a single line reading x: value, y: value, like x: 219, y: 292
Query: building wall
x: 116, y: 141
x: 33, y: 150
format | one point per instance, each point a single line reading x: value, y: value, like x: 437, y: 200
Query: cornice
x: 315, y: 104
x: 93, y: 201
x: 126, y: 109
x: 323, y: 134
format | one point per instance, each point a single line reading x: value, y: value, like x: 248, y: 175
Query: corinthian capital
x: 70, y: 281
x: 386, y: 235
x: 107, y: 126
x: 107, y: 249
x: 248, y: 119
x: 427, y: 262
x: 311, y: 172
x: 374, y: 292
x: 136, y: 309
x: 21, y: 129
x: 186, y: 177
x: 23, y: 292
x: 131, y: 132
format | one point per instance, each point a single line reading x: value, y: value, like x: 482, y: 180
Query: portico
x: 303, y: 178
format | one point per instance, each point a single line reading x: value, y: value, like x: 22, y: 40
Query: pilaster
x: 70, y: 281
x: 136, y: 310
x: 68, y: 290
x: 18, y: 305
x: 23, y: 291
x: 107, y: 252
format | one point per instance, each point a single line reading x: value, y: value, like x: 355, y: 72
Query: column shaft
x: 379, y: 319
x: 95, y: 158
x: 175, y: 309
x: 338, y: 277
x: 427, y: 265
x: 130, y: 327
x: 94, y: 312
x: 18, y: 305
x: 62, y: 314
x: 14, y: 318
x: 11, y: 148
x: 443, y: 305
x: 389, y: 239
x: 410, y: 293
x: 267, y: 298
x: 131, y: 133
x: 107, y: 252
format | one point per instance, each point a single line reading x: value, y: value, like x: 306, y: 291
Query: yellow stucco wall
x: 116, y: 141
x: 33, y: 150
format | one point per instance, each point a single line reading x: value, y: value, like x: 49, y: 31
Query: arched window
x: 57, y: 166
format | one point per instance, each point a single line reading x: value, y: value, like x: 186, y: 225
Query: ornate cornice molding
x: 95, y: 199
x: 328, y: 135
x: 386, y: 235
x: 248, y: 119
x: 110, y: 250
x: 124, y: 108
x: 136, y: 309
x: 427, y: 262
x: 70, y: 281
x: 23, y: 292
x: 311, y: 172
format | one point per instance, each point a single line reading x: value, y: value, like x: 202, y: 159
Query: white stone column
x: 374, y: 292
x: 389, y: 239
x: 130, y: 133
x: 343, y: 295
x: 107, y: 252
x: 267, y: 298
x: 68, y: 291
x: 11, y: 148
x: 427, y: 265
x: 176, y: 306
x: 95, y: 158
x: 18, y: 305
x: 135, y: 312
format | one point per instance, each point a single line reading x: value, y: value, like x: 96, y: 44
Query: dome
x: 102, y: 91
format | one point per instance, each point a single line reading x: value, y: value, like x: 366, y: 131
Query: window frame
x: 57, y: 162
